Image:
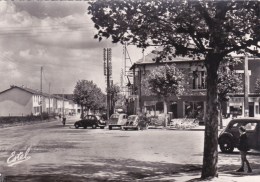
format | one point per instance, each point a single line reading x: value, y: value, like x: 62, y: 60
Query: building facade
x: 22, y: 101
x: 193, y: 101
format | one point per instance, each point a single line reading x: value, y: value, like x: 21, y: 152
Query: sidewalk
x: 228, y: 176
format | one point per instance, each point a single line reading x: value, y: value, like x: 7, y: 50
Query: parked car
x: 90, y: 121
x: 229, y: 138
x: 116, y: 120
x: 135, y: 122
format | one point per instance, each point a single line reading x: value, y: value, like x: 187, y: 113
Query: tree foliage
x: 257, y: 86
x: 208, y: 29
x: 228, y: 81
x: 88, y: 95
x: 192, y: 27
x: 114, y: 92
x: 165, y: 81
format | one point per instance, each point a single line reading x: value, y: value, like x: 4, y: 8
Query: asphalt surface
x: 63, y: 153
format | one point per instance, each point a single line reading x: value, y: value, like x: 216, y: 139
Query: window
x: 199, y: 80
x: 234, y: 125
x: 193, y: 109
x: 250, y: 126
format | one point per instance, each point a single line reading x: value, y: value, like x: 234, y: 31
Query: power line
x: 27, y: 34
x: 75, y: 24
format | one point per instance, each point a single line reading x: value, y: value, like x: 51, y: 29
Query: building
x: 236, y: 105
x: 22, y: 101
x: 192, y: 102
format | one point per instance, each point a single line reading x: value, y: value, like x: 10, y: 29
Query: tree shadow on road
x: 121, y: 170
x: 107, y: 170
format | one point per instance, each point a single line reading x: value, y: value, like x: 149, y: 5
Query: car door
x: 233, y: 129
x: 124, y: 120
x: 258, y: 135
x: 91, y: 121
x: 251, y: 131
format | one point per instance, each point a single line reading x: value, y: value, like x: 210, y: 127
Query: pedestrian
x: 60, y: 116
x: 243, y: 148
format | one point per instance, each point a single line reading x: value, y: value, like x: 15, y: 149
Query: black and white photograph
x: 129, y: 90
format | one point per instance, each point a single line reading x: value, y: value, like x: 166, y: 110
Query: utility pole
x: 49, y: 98
x: 246, y: 88
x: 41, y: 100
x: 108, y: 72
x: 62, y: 103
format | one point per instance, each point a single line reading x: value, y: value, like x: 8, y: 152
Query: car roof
x: 245, y: 120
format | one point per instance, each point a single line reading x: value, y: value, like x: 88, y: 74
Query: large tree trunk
x: 220, y: 115
x: 82, y: 112
x: 165, y: 111
x: 210, y: 156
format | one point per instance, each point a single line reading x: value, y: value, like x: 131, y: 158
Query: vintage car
x: 90, y: 121
x: 116, y: 120
x: 136, y: 123
x: 229, y: 138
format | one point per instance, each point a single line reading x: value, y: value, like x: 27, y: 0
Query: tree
x: 207, y: 29
x: 85, y: 94
x: 228, y: 82
x: 114, y: 92
x: 165, y: 81
x: 99, y: 100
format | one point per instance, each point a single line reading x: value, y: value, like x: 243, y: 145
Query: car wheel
x: 76, y: 126
x: 126, y: 128
x: 94, y: 126
x: 110, y: 127
x: 102, y: 127
x: 138, y: 128
x: 226, y: 145
x: 85, y: 127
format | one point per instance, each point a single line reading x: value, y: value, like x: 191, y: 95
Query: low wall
x: 23, y: 120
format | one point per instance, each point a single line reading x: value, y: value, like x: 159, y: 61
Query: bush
x: 24, y: 119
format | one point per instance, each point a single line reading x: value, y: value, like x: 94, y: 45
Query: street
x: 67, y: 154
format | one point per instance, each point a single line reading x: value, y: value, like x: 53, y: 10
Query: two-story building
x: 194, y: 99
x: 190, y: 102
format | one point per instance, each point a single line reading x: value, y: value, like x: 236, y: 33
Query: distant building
x: 22, y: 101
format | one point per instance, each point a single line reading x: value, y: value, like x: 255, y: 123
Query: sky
x: 58, y: 36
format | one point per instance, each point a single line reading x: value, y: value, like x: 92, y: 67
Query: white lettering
x: 14, y: 158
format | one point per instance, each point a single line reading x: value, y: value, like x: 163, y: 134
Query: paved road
x: 70, y: 154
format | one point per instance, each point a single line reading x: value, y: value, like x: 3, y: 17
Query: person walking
x: 243, y: 148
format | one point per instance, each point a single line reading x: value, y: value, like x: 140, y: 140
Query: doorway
x: 173, y: 109
x: 251, y: 106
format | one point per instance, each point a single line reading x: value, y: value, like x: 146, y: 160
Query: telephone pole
x: 246, y: 90
x: 62, y: 103
x: 41, y: 100
x: 108, y: 73
x: 49, y: 98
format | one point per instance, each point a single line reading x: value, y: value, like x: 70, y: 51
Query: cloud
x: 57, y: 36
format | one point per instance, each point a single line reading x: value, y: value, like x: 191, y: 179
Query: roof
x: 245, y: 119
x: 32, y: 91
x: 150, y: 59
x: 24, y: 89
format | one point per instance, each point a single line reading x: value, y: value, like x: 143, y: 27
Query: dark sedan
x: 90, y: 121
x: 229, y: 137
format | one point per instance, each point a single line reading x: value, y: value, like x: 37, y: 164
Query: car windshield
x: 114, y: 116
x: 131, y: 118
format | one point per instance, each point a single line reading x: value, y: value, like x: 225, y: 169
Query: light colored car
x: 116, y: 120
x: 135, y: 122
